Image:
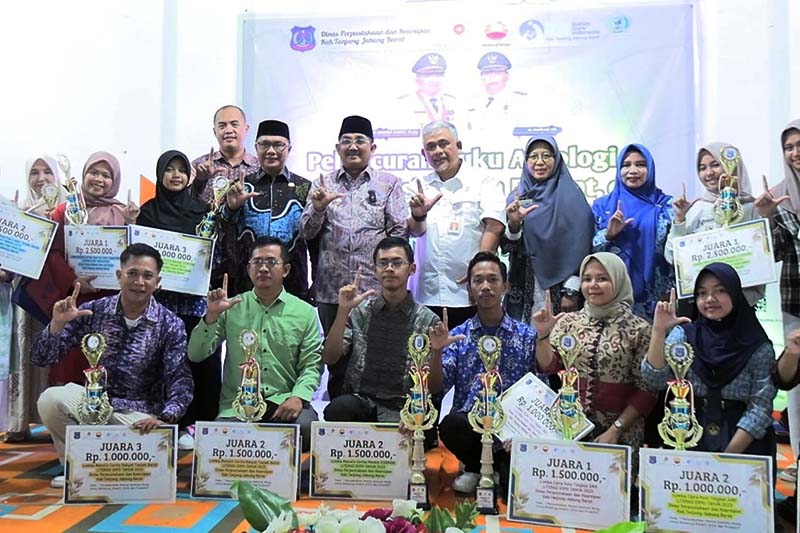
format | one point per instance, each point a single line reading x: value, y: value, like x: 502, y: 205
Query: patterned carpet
x: 29, y: 505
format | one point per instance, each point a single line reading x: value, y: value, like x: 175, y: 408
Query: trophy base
x: 418, y: 492
x: 486, y: 498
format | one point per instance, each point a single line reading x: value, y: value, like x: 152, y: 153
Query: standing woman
x: 733, y: 363
x: 175, y: 209
x: 549, y: 231
x: 633, y: 222
x: 612, y: 343
x: 26, y: 381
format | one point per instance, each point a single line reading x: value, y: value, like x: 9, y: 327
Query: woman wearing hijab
x: 612, y: 342
x: 549, y: 231
x: 733, y: 363
x: 25, y: 381
x: 175, y: 209
x: 698, y: 215
x: 633, y: 222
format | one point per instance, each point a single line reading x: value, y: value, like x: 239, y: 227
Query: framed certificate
x: 266, y: 455
x: 95, y: 251
x: 25, y: 240
x: 115, y: 464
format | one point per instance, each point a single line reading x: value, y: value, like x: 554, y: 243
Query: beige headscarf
x: 623, y: 290
x: 33, y: 198
x: 791, y: 182
x: 745, y: 192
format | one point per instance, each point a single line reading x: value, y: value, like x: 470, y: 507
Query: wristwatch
x: 617, y: 424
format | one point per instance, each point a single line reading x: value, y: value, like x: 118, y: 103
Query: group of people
x: 387, y: 259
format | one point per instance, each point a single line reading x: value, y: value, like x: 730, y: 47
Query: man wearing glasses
x: 373, y: 330
x: 289, y: 342
x: 351, y: 210
x: 268, y: 202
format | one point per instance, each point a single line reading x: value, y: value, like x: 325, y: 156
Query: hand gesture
x: 218, y: 301
x: 237, y: 197
x: 516, y: 213
x: 617, y: 223
x: 420, y: 204
x: 349, y: 296
x: 440, y: 334
x: 320, y: 198
x: 681, y: 206
x: 766, y: 204
x: 67, y: 310
x: 131, y: 212
x: 793, y: 343
x: 665, y: 317
x: 543, y: 319
x: 205, y: 171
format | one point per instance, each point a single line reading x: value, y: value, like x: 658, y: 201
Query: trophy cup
x: 94, y: 408
x: 727, y: 208
x: 419, y: 414
x: 567, y: 413
x: 50, y: 195
x: 207, y: 227
x: 76, y: 213
x: 487, y: 418
x: 249, y: 404
x: 680, y: 428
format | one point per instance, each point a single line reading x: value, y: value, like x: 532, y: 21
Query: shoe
x: 186, y: 441
x: 789, y: 474
x: 57, y: 482
x: 466, y: 482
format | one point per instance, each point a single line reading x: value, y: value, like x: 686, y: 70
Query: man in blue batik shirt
x: 455, y: 362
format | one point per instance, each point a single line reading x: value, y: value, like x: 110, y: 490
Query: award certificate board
x: 702, y: 492
x: 25, y: 240
x: 359, y: 461
x: 747, y: 247
x: 569, y: 484
x: 266, y: 455
x: 95, y: 251
x: 187, y: 258
x: 528, y: 405
x: 115, y: 464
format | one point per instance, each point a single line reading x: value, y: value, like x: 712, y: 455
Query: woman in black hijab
x: 733, y: 363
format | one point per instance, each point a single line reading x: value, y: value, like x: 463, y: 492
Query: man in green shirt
x: 289, y: 341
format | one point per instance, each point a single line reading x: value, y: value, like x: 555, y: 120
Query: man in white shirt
x: 456, y: 211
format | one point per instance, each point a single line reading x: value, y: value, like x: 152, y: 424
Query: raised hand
x: 349, y: 296
x: 67, y: 310
x: 440, y: 334
x: 516, y: 213
x: 665, y: 317
x: 793, y: 343
x: 320, y: 198
x: 131, y: 212
x: 420, y: 204
x: 617, y: 223
x: 237, y: 196
x: 766, y: 204
x: 218, y: 301
x: 205, y: 171
x: 543, y: 319
x: 681, y: 206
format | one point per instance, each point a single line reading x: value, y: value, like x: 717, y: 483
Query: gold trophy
x: 680, y: 428
x: 76, y: 213
x: 567, y: 413
x: 488, y: 418
x: 727, y: 208
x: 208, y: 226
x: 419, y: 414
x: 50, y: 195
x: 94, y: 408
x: 249, y: 404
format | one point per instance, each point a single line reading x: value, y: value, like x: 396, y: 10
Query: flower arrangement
x: 270, y: 513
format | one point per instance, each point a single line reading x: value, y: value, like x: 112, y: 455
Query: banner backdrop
x: 597, y: 79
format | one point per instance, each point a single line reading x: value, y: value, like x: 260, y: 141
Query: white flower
x: 404, y: 508
x: 342, y: 514
x: 453, y: 530
x: 282, y: 524
x: 371, y: 525
x: 327, y: 524
x: 349, y: 524
x: 307, y: 519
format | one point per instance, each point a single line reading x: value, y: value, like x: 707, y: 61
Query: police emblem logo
x: 303, y: 38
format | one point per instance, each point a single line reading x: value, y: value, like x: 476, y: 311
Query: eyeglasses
x: 277, y: 146
x: 358, y: 141
x: 383, y: 264
x: 270, y: 262
x: 545, y: 157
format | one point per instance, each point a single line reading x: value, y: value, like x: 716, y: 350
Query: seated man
x: 145, y: 352
x: 455, y: 361
x: 373, y: 331
x: 288, y: 334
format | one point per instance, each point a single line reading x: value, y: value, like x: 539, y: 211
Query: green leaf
x: 438, y: 520
x: 260, y: 506
x: 625, y: 527
x: 466, y: 513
